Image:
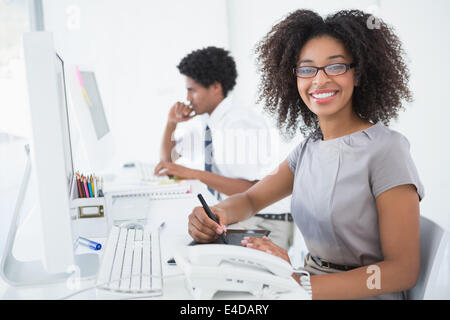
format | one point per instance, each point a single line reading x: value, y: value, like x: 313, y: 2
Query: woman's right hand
x: 203, y: 229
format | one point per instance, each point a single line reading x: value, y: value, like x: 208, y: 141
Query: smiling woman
x: 374, y: 67
x: 355, y: 189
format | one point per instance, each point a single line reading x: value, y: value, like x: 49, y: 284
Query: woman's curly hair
x: 380, y: 70
x: 209, y: 65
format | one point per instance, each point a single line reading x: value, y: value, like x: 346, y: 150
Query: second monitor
x: 97, y: 142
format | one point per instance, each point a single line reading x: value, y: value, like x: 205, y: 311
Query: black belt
x: 273, y: 216
x: 326, y: 264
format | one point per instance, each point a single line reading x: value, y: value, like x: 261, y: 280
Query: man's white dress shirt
x: 243, y: 144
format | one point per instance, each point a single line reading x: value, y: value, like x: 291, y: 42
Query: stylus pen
x: 210, y: 214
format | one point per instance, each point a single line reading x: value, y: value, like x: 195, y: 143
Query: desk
x: 174, y: 235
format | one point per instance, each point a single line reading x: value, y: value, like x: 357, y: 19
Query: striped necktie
x: 208, y: 153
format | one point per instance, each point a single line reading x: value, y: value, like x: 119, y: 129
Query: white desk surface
x: 173, y: 236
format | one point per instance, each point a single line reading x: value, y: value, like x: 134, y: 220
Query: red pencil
x: 80, y: 194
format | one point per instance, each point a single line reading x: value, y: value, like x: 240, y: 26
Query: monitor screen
x: 65, y: 120
x: 95, y: 103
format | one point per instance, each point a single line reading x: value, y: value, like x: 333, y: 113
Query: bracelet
x: 306, y: 284
x: 305, y: 281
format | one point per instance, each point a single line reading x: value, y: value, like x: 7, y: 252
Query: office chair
x: 433, y: 282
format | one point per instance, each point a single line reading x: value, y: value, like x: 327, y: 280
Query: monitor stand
x: 20, y: 273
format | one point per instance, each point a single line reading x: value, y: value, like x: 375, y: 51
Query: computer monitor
x: 97, y: 142
x: 52, y: 165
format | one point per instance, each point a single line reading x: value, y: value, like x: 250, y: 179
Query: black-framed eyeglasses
x: 334, y: 69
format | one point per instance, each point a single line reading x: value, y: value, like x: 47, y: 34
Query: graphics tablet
x: 234, y: 236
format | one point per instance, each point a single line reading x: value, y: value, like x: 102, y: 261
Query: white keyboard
x: 131, y: 262
x: 146, y: 173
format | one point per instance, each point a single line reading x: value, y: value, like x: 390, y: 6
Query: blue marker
x: 89, y: 243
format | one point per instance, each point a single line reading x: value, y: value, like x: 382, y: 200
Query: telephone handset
x: 217, y: 267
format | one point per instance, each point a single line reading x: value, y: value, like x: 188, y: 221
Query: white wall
x: 13, y: 103
x: 423, y: 26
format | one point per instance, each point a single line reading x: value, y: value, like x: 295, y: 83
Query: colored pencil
x: 95, y: 186
x: 80, y: 194
x: 86, y: 187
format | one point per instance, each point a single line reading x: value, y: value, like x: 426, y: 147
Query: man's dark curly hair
x: 209, y: 65
x: 380, y: 70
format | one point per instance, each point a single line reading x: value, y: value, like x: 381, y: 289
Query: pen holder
x: 89, y: 216
x: 89, y: 208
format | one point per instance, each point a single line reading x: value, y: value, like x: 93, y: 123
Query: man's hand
x: 180, y: 113
x: 173, y: 169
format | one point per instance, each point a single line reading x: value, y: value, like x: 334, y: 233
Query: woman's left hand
x: 264, y: 244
